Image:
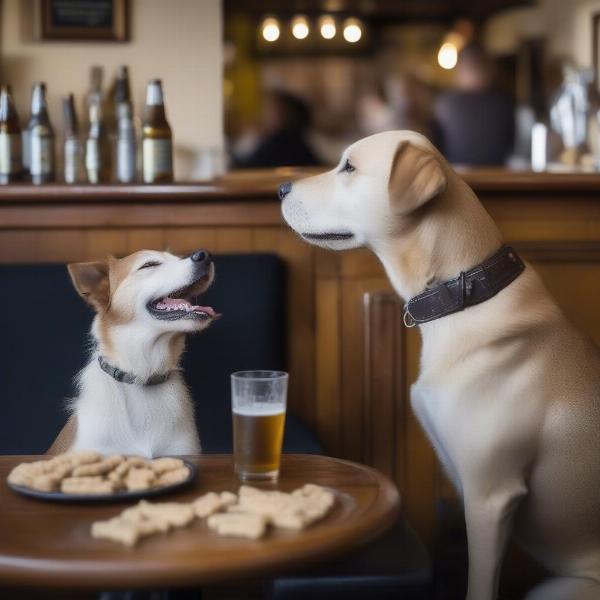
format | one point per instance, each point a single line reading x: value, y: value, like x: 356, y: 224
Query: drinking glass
x: 258, y: 402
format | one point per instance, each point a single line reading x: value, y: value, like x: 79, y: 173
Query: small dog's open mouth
x: 180, y: 304
x: 329, y: 236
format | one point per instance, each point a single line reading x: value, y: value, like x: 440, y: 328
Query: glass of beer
x: 258, y: 401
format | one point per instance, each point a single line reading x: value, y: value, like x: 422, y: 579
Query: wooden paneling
x: 385, y: 394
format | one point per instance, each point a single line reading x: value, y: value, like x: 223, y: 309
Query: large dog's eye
x: 348, y: 167
x: 150, y: 263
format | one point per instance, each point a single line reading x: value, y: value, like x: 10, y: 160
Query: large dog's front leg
x: 489, y: 518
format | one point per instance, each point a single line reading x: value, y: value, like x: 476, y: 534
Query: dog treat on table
x: 174, y: 476
x: 118, y: 473
x: 248, y: 525
x: 176, y: 514
x: 81, y: 457
x: 45, y: 483
x: 86, y: 485
x: 98, y: 468
x: 126, y: 531
x: 292, y: 511
x: 167, y: 463
x: 88, y: 472
x: 210, y: 503
x: 139, y: 478
x: 248, y: 514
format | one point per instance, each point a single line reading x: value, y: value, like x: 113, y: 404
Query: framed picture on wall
x: 84, y: 20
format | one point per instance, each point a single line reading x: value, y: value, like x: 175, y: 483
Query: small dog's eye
x: 348, y: 167
x: 151, y: 263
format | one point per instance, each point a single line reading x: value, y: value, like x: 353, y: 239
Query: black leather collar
x: 125, y: 377
x: 471, y: 287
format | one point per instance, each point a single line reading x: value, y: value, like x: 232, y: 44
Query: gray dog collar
x: 125, y: 377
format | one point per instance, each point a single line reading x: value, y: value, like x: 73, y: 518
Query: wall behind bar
x: 179, y: 42
x: 566, y: 25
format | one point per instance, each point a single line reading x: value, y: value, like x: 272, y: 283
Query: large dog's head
x: 379, y: 186
x: 155, y: 290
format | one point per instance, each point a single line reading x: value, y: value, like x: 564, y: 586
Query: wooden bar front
x: 351, y: 359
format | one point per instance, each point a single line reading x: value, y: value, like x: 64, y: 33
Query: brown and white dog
x: 132, y: 398
x: 508, y: 391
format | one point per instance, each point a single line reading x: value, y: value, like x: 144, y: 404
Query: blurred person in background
x: 400, y: 102
x: 475, y: 122
x: 373, y: 112
x: 282, y: 140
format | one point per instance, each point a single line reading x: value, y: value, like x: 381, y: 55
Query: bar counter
x: 261, y: 184
x: 350, y: 358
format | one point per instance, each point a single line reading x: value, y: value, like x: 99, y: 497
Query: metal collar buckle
x: 407, y: 318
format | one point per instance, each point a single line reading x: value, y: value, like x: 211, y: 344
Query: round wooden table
x: 46, y: 544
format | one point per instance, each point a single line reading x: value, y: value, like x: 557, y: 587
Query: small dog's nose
x: 202, y: 257
x: 284, y: 189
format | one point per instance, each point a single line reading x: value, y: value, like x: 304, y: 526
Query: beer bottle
x: 126, y: 144
x: 94, y: 94
x: 40, y: 138
x: 73, y: 153
x: 97, y: 151
x: 10, y: 138
x: 157, y: 142
x: 122, y: 87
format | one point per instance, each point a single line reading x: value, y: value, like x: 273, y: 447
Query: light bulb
x: 300, y: 29
x: 447, y: 56
x: 352, y: 30
x: 270, y: 29
x: 327, y: 27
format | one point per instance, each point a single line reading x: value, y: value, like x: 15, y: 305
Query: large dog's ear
x: 91, y: 280
x: 416, y: 177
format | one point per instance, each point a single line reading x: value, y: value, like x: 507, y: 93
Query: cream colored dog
x: 132, y: 397
x: 509, y: 392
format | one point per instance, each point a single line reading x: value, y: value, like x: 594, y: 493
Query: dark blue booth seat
x: 44, y: 342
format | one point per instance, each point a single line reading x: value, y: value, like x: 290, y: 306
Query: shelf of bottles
x: 110, y: 151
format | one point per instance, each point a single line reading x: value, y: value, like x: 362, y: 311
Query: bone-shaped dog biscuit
x: 118, y: 474
x: 87, y: 485
x: 246, y: 525
x: 291, y: 511
x: 45, y: 483
x: 80, y: 457
x: 175, y: 476
x: 139, y: 478
x: 166, y: 463
x: 126, y: 531
x: 176, y: 514
x: 117, y: 530
x: 210, y: 503
x: 98, y: 468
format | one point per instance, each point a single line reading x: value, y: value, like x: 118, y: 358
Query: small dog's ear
x: 416, y: 177
x: 92, y: 282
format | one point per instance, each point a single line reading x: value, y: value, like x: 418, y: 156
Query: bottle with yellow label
x: 157, y: 140
x: 40, y: 138
x: 10, y: 138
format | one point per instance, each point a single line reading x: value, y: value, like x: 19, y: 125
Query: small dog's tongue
x: 181, y: 304
x: 209, y: 310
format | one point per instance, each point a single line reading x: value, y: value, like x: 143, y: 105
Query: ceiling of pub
x: 397, y: 10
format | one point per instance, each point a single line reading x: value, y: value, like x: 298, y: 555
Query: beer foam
x: 262, y: 409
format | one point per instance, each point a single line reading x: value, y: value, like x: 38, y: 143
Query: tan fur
x: 65, y: 438
x: 508, y: 392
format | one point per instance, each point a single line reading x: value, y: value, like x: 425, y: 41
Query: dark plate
x: 116, y: 497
